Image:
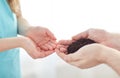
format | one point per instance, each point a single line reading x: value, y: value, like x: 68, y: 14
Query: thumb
x: 80, y: 35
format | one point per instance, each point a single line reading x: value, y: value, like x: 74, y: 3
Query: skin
x: 101, y: 36
x: 107, y: 51
x: 98, y: 35
x: 38, y: 41
x: 25, y: 43
x: 85, y: 57
x: 42, y: 37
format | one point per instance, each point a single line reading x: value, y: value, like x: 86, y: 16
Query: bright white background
x: 66, y: 18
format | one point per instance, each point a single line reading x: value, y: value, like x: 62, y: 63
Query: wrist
x: 23, y: 26
x: 111, y: 57
x: 28, y: 30
x: 10, y: 43
x: 105, y: 54
x: 22, y: 41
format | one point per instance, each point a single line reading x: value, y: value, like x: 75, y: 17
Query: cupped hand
x: 101, y: 36
x: 62, y: 45
x: 43, y: 38
x: 33, y: 50
x: 86, y: 57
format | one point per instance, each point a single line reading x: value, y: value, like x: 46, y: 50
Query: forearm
x: 115, y: 35
x: 113, y: 41
x: 23, y: 25
x: 9, y: 43
x: 113, y: 60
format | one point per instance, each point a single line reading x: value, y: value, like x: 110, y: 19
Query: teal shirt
x: 9, y: 60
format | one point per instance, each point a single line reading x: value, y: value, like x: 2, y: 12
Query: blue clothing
x: 9, y: 60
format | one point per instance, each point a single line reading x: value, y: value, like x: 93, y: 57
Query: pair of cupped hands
x: 41, y: 42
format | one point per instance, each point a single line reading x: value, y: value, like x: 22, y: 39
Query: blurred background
x: 66, y: 18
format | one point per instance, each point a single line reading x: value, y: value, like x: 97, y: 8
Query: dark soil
x: 78, y: 44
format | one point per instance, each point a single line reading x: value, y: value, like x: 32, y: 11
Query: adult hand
x: 87, y: 56
x: 32, y: 49
x: 62, y: 45
x: 103, y: 37
x: 43, y: 38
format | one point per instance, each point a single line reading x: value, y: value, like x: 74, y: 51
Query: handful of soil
x: 78, y: 44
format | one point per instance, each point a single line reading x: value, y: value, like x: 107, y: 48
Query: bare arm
x: 23, y: 25
x: 42, y: 36
x: 90, y: 56
x: 113, y: 60
x: 9, y: 43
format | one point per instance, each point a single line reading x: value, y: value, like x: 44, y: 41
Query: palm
x: 42, y: 37
x: 84, y: 57
x: 33, y: 50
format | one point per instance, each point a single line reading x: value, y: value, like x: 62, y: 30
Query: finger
x: 98, y: 35
x: 80, y: 35
x: 65, y: 42
x: 59, y: 46
x: 52, y: 43
x: 43, y: 41
x: 68, y: 58
x: 43, y: 47
x: 40, y: 53
x: 60, y: 54
x: 57, y: 50
x: 74, y: 57
x: 62, y: 48
x: 48, y: 46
